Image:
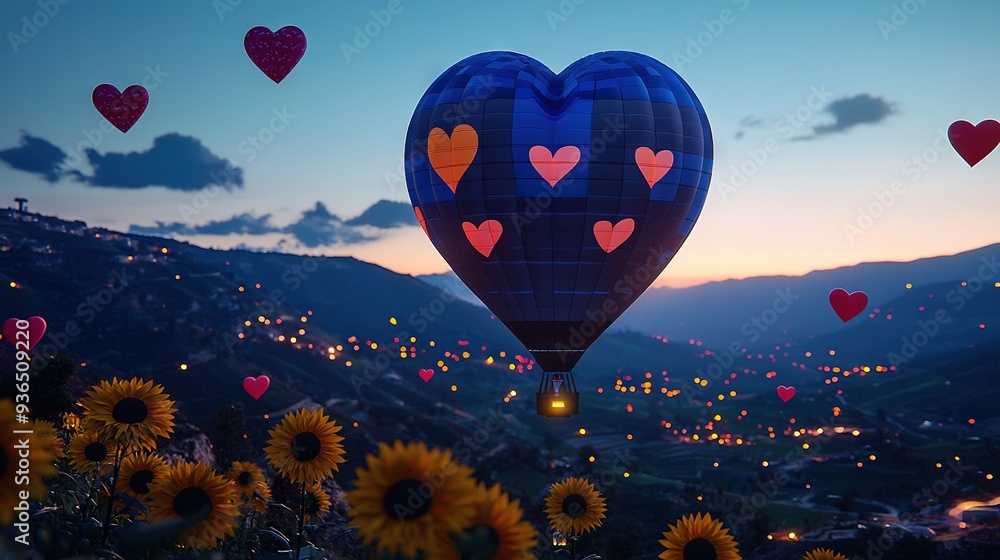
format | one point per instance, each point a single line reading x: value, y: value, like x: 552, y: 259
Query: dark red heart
x: 275, y: 53
x: 122, y: 109
x: 974, y: 142
x: 848, y: 306
x: 426, y: 374
x: 786, y: 393
x: 35, y: 332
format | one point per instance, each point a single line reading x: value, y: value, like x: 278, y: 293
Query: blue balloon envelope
x: 558, y: 198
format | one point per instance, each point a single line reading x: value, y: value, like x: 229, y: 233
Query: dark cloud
x: 35, y: 155
x: 319, y: 227
x: 852, y: 111
x: 316, y: 226
x: 244, y: 223
x: 386, y: 214
x: 174, y: 161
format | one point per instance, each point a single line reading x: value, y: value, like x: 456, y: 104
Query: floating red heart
x: 426, y: 374
x: 256, y: 387
x: 275, y: 53
x: 33, y: 334
x: 122, y: 109
x: 974, y: 142
x: 848, y: 306
x: 786, y: 393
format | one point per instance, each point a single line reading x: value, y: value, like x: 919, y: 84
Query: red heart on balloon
x: 610, y: 237
x: 33, y: 333
x: 848, y: 306
x: 426, y: 374
x: 122, y: 109
x: 483, y: 237
x: 653, y: 165
x: 786, y: 393
x: 275, y: 53
x: 553, y: 167
x: 256, y: 387
x: 974, y: 142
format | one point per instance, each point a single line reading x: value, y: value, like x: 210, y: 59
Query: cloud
x: 316, y: 227
x: 35, y: 155
x: 386, y: 214
x: 174, y: 161
x: 245, y: 224
x: 852, y: 111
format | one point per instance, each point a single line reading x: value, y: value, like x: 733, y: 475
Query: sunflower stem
x: 302, y: 521
x: 111, y: 494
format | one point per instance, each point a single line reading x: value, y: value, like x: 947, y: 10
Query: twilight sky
x: 836, y: 101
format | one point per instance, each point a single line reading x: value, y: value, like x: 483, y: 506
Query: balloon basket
x: 557, y: 396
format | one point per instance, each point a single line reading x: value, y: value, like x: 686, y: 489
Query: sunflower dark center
x: 407, y: 499
x: 699, y: 549
x: 139, y: 481
x: 574, y: 505
x: 130, y: 410
x: 305, y: 446
x: 95, y: 451
x: 489, y: 536
x: 192, y: 501
x: 245, y: 478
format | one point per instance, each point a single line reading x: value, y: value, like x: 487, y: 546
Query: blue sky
x: 346, y: 117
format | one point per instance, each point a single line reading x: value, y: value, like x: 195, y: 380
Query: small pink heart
x: 484, y: 237
x: 256, y: 387
x: 848, y: 306
x: 426, y: 374
x: 610, y: 237
x: 786, y: 393
x: 653, y: 166
x: 552, y: 168
x: 974, y: 142
x: 275, y: 53
x: 122, y: 109
x: 32, y: 334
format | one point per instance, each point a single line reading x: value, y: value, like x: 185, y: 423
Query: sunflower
x: 410, y: 498
x: 40, y: 460
x: 823, y: 554
x: 698, y: 537
x: 46, y: 434
x: 193, y: 491
x: 574, y: 506
x: 90, y: 453
x: 317, y: 502
x: 305, y: 446
x: 250, y: 482
x: 501, y: 521
x: 138, y: 472
x: 130, y: 412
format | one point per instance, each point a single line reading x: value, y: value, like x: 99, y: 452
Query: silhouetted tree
x: 226, y: 430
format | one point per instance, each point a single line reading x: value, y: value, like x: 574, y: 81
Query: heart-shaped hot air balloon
x: 558, y: 198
